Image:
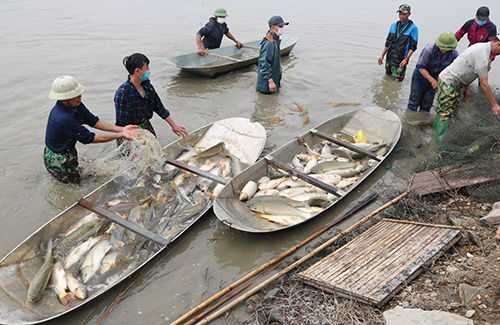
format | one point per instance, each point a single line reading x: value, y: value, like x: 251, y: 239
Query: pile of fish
x: 94, y: 251
x: 285, y: 200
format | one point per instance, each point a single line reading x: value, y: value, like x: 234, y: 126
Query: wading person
x: 269, y: 64
x: 472, y: 63
x: 136, y: 99
x: 65, y: 128
x: 480, y: 29
x: 400, y: 44
x: 432, y: 60
x: 210, y: 35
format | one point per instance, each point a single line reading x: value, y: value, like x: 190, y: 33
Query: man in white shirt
x: 472, y: 63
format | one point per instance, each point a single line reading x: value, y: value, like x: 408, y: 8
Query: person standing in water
x: 400, y: 44
x: 65, y: 128
x: 269, y: 64
x: 210, y: 35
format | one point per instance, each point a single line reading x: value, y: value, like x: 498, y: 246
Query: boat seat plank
x: 373, y: 267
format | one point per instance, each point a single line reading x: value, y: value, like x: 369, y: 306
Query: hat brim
x: 68, y: 95
x: 482, y: 17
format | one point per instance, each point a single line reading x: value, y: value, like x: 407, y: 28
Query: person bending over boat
x: 269, y: 64
x: 65, y: 128
x: 210, y: 35
x: 136, y: 99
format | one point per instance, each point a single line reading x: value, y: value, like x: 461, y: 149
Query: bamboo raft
x: 376, y: 265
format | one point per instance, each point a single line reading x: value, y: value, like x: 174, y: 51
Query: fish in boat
x: 273, y: 198
x: 117, y: 257
x: 379, y: 126
x: 277, y: 207
x: 76, y: 287
x: 92, y: 261
x: 212, y: 151
x: 22, y: 264
x: 284, y: 220
x: 42, y: 277
x: 79, y: 252
x: 60, y: 284
x: 325, y: 166
x: 248, y: 191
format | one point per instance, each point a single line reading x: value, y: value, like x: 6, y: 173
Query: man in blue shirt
x: 65, y: 128
x: 269, y: 64
x: 213, y: 31
x: 400, y: 44
x: 136, y: 99
x: 433, y: 59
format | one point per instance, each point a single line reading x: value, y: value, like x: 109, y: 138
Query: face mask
x: 481, y: 22
x: 146, y: 75
x: 221, y: 20
x: 280, y: 31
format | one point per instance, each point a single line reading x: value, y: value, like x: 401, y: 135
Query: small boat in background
x: 299, y: 180
x: 161, y: 205
x: 227, y: 58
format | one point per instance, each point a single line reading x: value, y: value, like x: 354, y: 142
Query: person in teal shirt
x: 269, y: 65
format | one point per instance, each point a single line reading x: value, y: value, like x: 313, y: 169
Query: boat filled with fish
x: 115, y: 230
x: 309, y: 174
x: 226, y: 58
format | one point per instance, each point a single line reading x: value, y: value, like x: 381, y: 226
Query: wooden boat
x: 379, y: 125
x: 243, y: 139
x: 226, y: 58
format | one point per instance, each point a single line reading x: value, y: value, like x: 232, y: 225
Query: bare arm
x: 485, y: 86
x: 177, y: 129
x: 117, y: 132
x: 405, y: 61
x: 201, y: 50
x: 381, y: 58
x: 232, y: 38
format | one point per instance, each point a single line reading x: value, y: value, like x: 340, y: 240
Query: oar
x: 223, y: 57
x: 297, y: 263
x: 311, y: 180
x: 123, y: 222
x: 252, y: 47
x: 346, y: 145
x: 196, y: 171
x: 275, y: 260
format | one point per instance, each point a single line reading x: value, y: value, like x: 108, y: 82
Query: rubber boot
x: 441, y: 128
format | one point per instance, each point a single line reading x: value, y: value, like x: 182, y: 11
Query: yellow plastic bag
x: 359, y: 137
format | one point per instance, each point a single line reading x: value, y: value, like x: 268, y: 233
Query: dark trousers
x: 421, y: 93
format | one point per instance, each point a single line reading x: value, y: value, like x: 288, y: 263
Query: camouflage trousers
x: 395, y: 71
x: 448, y: 98
x: 63, y: 166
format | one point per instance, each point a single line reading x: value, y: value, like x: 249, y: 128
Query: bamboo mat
x: 373, y: 267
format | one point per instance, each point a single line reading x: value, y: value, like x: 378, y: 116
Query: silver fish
x: 60, y: 284
x: 42, y: 277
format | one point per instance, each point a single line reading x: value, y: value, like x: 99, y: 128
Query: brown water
x: 334, y: 60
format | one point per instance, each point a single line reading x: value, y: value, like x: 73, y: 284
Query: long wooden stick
x: 223, y: 57
x: 311, y: 180
x: 207, y: 302
x: 297, y: 263
x: 346, y: 145
x: 196, y: 171
x: 123, y: 222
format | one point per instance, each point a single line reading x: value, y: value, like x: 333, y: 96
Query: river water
x: 335, y: 60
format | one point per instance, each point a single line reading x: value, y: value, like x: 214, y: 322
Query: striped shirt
x: 132, y: 108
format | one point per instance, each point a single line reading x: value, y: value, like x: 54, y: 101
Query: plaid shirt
x: 132, y: 108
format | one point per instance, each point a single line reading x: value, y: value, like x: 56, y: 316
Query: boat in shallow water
x: 165, y: 204
x: 226, y: 58
x: 334, y: 172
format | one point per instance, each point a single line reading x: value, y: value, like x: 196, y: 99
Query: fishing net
x: 131, y: 158
x: 471, y: 147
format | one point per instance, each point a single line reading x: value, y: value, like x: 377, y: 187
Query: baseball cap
x: 277, y: 21
x: 404, y: 8
x: 483, y: 13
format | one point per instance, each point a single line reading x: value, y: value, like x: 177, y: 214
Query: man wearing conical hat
x: 210, y: 35
x: 65, y: 128
x: 472, y: 63
x: 432, y: 60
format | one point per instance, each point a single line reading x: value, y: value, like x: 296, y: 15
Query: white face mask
x: 221, y: 20
x: 280, y: 31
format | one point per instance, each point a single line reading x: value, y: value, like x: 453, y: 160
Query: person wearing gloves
x: 432, y: 60
x: 269, y: 64
x: 474, y: 62
x: 210, y: 35
x: 65, y: 128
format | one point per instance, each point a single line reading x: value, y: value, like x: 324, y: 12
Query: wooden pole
x: 123, y: 222
x: 223, y: 57
x: 207, y: 302
x: 297, y: 263
x: 196, y: 171
x: 311, y: 180
x: 346, y: 145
